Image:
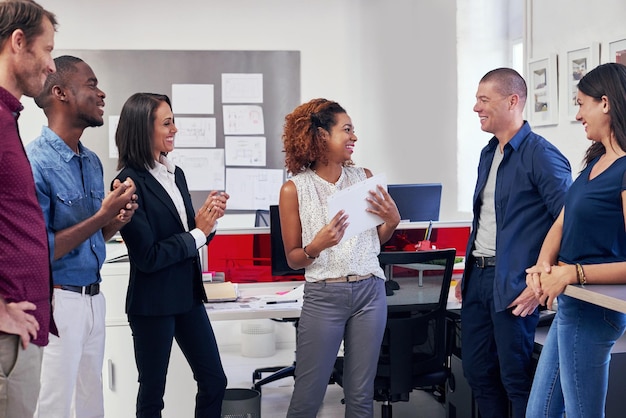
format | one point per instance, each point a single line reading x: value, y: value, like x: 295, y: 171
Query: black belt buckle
x: 92, y: 289
x: 483, y: 262
x: 89, y: 290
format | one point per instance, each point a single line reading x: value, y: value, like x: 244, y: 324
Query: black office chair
x: 414, y: 352
x: 277, y: 372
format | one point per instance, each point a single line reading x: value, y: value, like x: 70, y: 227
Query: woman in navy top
x: 586, y: 244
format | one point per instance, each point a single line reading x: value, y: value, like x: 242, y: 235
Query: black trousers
x: 152, y: 338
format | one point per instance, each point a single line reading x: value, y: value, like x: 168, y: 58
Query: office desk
x: 610, y: 296
x: 243, y: 308
x: 251, y: 303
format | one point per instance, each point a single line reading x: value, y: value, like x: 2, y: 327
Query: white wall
x: 558, y: 26
x: 483, y: 44
x: 391, y: 64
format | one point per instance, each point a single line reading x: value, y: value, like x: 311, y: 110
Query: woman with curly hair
x: 344, y: 294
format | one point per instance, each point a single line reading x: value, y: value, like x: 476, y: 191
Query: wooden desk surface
x: 611, y: 296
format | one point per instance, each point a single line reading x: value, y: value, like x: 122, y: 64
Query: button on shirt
x: 70, y: 189
x: 24, y: 260
x: 530, y: 190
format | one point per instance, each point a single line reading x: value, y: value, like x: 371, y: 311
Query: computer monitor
x: 262, y: 217
x: 417, y: 202
x: 279, y: 260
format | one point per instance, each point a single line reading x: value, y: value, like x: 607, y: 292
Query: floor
x: 276, y: 395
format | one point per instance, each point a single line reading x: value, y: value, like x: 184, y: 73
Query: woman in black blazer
x: 165, y: 293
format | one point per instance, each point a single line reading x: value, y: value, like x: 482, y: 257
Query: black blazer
x: 165, y: 272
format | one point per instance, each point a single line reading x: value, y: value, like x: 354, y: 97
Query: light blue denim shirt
x: 70, y: 189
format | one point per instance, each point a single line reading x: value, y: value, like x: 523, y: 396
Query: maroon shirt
x: 24, y: 254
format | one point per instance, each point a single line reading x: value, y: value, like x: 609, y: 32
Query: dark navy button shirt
x: 530, y: 191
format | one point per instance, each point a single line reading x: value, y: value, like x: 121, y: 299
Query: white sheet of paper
x: 204, y: 168
x: 113, y: 121
x: 192, y: 99
x: 245, y: 150
x: 195, y: 132
x: 253, y: 188
x: 243, y: 120
x: 352, y: 201
x: 242, y: 88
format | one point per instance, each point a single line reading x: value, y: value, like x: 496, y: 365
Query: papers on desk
x: 294, y: 297
x: 353, y: 201
x: 221, y: 292
x: 288, y: 300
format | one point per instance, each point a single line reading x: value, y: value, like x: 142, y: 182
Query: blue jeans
x: 497, y: 349
x: 573, y: 370
x: 355, y: 312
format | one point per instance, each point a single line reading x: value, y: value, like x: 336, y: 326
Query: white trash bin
x: 258, y: 338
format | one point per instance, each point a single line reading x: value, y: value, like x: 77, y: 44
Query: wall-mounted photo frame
x: 578, y: 63
x: 617, y: 51
x: 542, y: 102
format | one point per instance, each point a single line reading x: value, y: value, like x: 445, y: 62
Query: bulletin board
x: 186, y: 76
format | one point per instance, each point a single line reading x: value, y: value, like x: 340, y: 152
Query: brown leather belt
x: 348, y: 278
x: 90, y: 290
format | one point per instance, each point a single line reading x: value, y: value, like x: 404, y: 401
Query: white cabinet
x: 119, y: 372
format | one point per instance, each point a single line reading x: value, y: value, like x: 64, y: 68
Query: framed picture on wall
x: 578, y: 63
x: 617, y: 51
x: 542, y: 102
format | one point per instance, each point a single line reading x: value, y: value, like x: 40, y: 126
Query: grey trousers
x: 20, y: 370
x: 355, y: 313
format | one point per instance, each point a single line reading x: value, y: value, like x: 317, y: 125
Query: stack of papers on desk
x: 221, y: 292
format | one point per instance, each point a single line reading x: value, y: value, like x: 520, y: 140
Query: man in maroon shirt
x: 26, y: 43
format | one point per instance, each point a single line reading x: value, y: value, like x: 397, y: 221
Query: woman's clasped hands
x: 548, y: 282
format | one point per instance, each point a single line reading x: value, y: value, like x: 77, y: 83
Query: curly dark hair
x: 607, y: 80
x: 302, y: 139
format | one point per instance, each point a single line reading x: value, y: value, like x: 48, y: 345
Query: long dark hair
x: 135, y: 129
x: 607, y: 80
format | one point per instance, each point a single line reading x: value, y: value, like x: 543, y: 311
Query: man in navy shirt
x: 522, y: 180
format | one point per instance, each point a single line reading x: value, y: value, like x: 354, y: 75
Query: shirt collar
x: 163, y: 164
x: 59, y: 145
x: 517, y: 139
x: 11, y: 102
